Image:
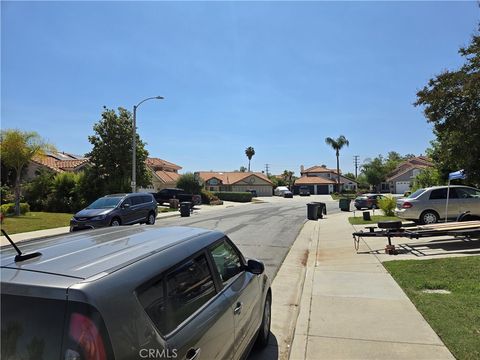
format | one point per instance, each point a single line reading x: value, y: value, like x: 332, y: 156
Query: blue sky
x: 278, y: 76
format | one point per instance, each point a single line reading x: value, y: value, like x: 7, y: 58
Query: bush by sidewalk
x: 234, y: 196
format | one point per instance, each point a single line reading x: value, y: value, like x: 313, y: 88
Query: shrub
x: 9, y: 209
x: 189, y: 183
x: 234, y: 196
x: 207, y: 197
x: 6, y: 194
x: 387, y: 204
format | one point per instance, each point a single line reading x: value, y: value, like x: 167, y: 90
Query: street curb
x: 287, y: 288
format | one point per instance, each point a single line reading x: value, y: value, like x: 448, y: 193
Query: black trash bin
x: 312, y: 211
x: 185, y: 208
x: 344, y: 204
x: 366, y: 216
x: 322, y: 209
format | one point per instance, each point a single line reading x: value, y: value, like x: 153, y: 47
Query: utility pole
x: 267, y: 169
x: 355, y: 161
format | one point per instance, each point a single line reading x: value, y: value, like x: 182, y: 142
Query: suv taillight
x: 88, y: 339
x: 407, y: 205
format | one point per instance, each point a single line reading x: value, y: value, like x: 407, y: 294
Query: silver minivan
x: 133, y: 293
x: 427, y: 206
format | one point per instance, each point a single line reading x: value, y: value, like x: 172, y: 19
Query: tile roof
x: 320, y: 169
x: 160, y: 163
x: 419, y: 162
x: 313, y: 180
x: 230, y: 178
x: 53, y: 163
x: 167, y: 176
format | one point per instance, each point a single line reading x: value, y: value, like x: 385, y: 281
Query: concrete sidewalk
x: 351, y: 308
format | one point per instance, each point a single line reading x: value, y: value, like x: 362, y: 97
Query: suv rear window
x: 171, y: 301
x: 32, y: 327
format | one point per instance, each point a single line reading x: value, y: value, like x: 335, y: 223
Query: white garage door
x: 402, y: 186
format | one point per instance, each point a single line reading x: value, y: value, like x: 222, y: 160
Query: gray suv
x: 115, y: 210
x: 133, y: 293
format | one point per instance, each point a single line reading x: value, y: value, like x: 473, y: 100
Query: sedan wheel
x: 115, y: 222
x: 429, y: 217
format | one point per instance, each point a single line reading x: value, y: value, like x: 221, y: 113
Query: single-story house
x: 57, y: 162
x: 164, y: 174
x: 321, y: 180
x: 236, y: 181
x: 400, y: 179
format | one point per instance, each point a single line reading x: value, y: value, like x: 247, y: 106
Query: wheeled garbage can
x: 312, y: 211
x: 344, y: 204
x: 185, y: 208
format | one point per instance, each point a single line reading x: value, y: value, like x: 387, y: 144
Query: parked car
x: 115, y: 210
x: 123, y: 293
x: 280, y: 190
x: 304, y: 191
x: 165, y: 195
x: 427, y: 206
x: 368, y: 201
x: 287, y: 194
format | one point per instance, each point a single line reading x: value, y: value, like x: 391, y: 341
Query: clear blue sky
x: 278, y: 76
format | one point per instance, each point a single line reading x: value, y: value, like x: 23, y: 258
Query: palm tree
x: 250, y: 151
x: 337, y: 145
x: 18, y: 148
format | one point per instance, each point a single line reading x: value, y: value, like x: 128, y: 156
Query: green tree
x: 374, y: 170
x: 288, y: 177
x: 250, y: 151
x: 350, y: 175
x: 190, y: 183
x: 39, y: 189
x: 111, y: 156
x: 242, y: 169
x: 337, y: 145
x: 426, y: 178
x: 18, y: 148
x: 451, y: 102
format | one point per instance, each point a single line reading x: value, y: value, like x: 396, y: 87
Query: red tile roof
x: 167, y: 176
x: 320, y: 169
x: 233, y: 177
x: 161, y: 164
x: 419, y: 162
x: 51, y: 162
x: 313, y: 180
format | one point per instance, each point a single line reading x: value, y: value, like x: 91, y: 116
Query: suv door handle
x: 238, y: 309
x: 192, y: 354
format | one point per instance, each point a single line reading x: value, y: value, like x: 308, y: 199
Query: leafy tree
x: 451, y: 102
x: 427, y: 177
x: 18, y: 148
x: 242, y: 169
x: 65, y: 196
x: 39, y: 189
x: 349, y: 175
x: 111, y: 155
x: 189, y: 183
x: 288, y: 177
x: 374, y: 170
x: 337, y: 145
x: 250, y: 151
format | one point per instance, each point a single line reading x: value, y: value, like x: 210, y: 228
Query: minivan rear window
x: 32, y: 327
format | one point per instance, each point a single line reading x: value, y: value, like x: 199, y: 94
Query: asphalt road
x: 264, y: 231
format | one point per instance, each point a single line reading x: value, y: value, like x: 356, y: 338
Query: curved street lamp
x: 134, y: 138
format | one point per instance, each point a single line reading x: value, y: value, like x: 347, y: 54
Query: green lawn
x: 455, y: 317
x: 358, y: 220
x: 35, y: 221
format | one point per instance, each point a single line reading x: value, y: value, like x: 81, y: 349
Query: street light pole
x: 134, y: 141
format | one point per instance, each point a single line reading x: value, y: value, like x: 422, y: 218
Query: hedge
x: 9, y: 209
x: 234, y: 196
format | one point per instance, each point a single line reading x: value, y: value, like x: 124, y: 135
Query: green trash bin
x: 344, y: 204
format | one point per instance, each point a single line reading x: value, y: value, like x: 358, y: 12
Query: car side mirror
x: 255, y: 267
x: 125, y: 206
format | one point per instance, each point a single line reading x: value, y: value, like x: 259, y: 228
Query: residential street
x: 264, y: 230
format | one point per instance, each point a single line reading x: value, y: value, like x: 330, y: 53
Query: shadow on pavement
x: 268, y: 353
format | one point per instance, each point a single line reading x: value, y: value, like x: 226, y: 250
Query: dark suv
x: 133, y: 293
x: 115, y: 210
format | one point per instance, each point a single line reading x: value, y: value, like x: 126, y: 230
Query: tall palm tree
x: 337, y: 145
x: 250, y: 151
